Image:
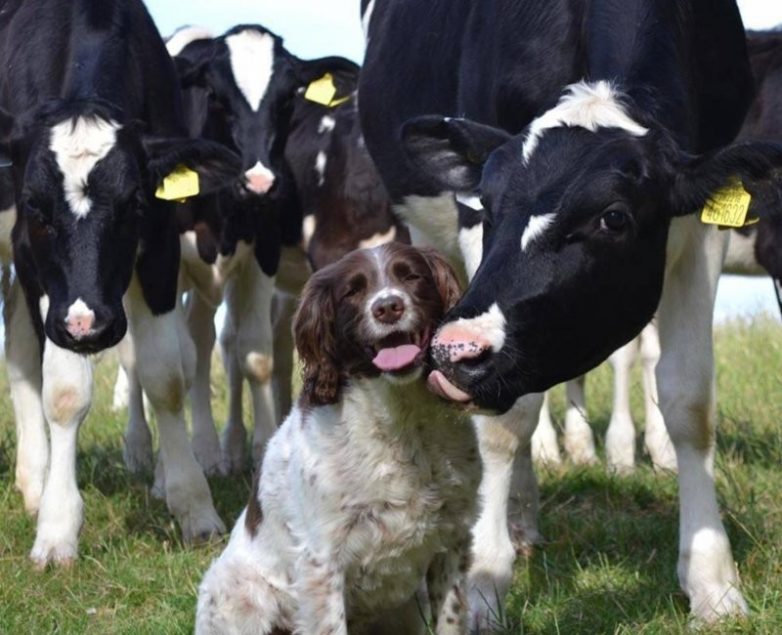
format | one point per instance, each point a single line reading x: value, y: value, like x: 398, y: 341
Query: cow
x: 231, y: 243
x: 91, y: 113
x: 589, y: 134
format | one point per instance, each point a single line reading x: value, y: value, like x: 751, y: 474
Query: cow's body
x: 660, y: 77
x: 92, y: 115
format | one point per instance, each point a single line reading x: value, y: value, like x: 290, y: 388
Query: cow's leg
x: 166, y: 362
x: 544, y: 446
x: 206, y: 443
x: 249, y: 296
x: 120, y: 397
x: 137, y: 450
x: 23, y: 359
x: 620, y: 436
x: 656, y: 439
x: 234, y: 435
x: 685, y: 376
x: 283, y: 308
x: 67, y: 395
x: 493, y: 550
x: 579, y: 440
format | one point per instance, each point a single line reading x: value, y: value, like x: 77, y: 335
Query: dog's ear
x: 445, y: 277
x: 313, y: 332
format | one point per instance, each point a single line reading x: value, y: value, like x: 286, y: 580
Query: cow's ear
x: 452, y: 151
x: 192, y: 61
x: 308, y: 71
x: 758, y: 165
x: 216, y: 165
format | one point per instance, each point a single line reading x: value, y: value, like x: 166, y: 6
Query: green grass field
x: 608, y: 565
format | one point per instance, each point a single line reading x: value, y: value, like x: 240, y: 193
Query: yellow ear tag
x: 182, y: 183
x: 728, y: 207
x: 322, y: 91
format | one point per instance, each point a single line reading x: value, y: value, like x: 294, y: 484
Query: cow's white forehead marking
x: 535, y: 227
x: 252, y: 61
x: 490, y: 325
x: 381, y: 238
x: 589, y: 105
x: 78, y: 144
x: 308, y: 226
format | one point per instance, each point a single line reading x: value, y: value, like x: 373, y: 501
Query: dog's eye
x: 412, y: 277
x: 350, y: 292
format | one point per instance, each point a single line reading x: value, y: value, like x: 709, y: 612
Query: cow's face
x: 87, y: 184
x: 250, y: 81
x: 576, y: 217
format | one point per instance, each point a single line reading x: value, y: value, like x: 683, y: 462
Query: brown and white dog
x: 370, y: 485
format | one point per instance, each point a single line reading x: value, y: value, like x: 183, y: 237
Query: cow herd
x: 557, y: 153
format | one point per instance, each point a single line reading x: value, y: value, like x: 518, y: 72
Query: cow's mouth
x: 400, y: 352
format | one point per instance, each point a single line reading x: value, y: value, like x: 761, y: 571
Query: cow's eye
x: 615, y: 219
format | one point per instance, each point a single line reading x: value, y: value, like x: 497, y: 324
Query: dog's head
x: 372, y: 313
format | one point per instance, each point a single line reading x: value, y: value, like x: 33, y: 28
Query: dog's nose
x: 388, y: 309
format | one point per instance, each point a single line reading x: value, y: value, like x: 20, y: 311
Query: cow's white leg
x: 166, y: 363
x: 620, y: 436
x: 249, y: 298
x: 283, y: 308
x: 120, y: 398
x: 206, y: 444
x: 493, y: 551
x: 23, y: 359
x: 545, y: 449
x: 656, y: 439
x: 579, y: 440
x: 67, y: 395
x: 685, y: 376
x: 137, y: 451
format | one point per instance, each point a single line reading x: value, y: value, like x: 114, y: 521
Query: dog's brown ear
x: 313, y: 332
x: 444, y: 277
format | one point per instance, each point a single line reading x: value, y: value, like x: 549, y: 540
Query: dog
x: 369, y: 487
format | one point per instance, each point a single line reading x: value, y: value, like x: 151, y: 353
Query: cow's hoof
x: 50, y: 551
x: 201, y: 526
x: 486, y: 604
x: 716, y: 603
x: 524, y: 539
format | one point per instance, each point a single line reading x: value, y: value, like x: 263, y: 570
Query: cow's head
x: 575, y: 224
x: 250, y: 80
x: 85, y: 182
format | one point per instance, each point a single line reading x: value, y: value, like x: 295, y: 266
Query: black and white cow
x: 592, y: 132
x: 92, y: 115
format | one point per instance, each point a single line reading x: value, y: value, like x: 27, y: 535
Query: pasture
x: 607, y: 566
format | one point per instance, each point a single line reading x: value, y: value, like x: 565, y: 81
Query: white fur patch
x: 585, y: 105
x: 320, y: 167
x: 490, y: 325
x: 177, y: 42
x: 326, y: 124
x: 471, y: 201
x: 535, y: 228
x: 78, y: 144
x: 43, y: 305
x: 252, y: 60
x: 437, y: 218
x: 367, y: 18
x: 471, y: 243
x: 308, y: 226
x: 378, y: 239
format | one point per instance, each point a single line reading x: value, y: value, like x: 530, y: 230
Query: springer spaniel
x: 369, y: 487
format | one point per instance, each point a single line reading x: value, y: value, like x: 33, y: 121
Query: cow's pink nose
x: 80, y: 325
x: 259, y: 181
x: 455, y: 344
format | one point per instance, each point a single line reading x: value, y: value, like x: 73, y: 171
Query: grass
x: 608, y: 565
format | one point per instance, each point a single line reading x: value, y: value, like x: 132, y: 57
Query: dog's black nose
x: 388, y: 309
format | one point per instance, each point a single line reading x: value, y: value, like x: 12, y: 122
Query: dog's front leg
x: 321, y: 597
x: 445, y: 582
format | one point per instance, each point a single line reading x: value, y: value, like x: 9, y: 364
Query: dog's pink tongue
x: 390, y: 359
